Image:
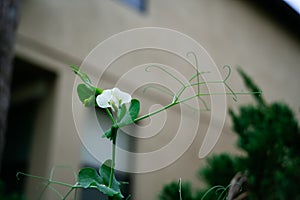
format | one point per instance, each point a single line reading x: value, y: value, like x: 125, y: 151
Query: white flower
x: 113, y: 98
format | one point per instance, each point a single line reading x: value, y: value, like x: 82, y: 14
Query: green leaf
x: 107, y: 134
x: 84, y: 77
x: 134, y: 108
x: 109, y: 191
x: 84, y: 92
x: 121, y: 112
x: 124, y: 118
x: 131, y: 114
x: 105, y: 171
x: 87, y: 81
x: 110, y: 133
x: 86, y: 95
x: 89, y: 102
x: 89, y: 177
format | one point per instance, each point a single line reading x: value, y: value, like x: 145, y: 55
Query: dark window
x: 30, y: 86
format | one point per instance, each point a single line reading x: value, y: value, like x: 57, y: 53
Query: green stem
x: 75, y: 194
x: 69, y: 192
x: 156, y: 111
x: 43, y: 191
x: 179, y: 93
x: 114, y: 139
x: 45, y: 179
x: 216, y: 93
x: 223, y: 193
x: 110, y: 115
x: 55, y: 191
x: 187, y: 99
x: 211, y: 189
x: 180, y: 196
x: 177, y: 96
x: 115, y: 132
x: 113, y: 160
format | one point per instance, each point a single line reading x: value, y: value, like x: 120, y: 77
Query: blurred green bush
x: 269, y: 136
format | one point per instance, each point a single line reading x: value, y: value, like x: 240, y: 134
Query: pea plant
x: 122, y: 110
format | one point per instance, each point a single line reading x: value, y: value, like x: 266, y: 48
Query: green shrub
x: 269, y: 136
x: 171, y: 191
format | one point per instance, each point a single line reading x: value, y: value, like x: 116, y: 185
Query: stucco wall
x: 59, y: 32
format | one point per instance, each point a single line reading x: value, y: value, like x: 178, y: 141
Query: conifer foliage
x: 269, y: 136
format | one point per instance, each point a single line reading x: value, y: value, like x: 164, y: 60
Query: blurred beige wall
x: 57, y: 33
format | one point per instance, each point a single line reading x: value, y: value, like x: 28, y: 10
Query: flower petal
x: 123, y: 96
x: 104, y: 99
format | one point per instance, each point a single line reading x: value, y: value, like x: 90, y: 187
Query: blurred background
x: 260, y: 36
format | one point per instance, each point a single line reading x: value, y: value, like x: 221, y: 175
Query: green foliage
x: 89, y: 178
x: 111, y: 133
x: 128, y: 117
x: 269, y: 135
x: 105, y: 171
x: 84, y: 77
x: 252, y: 87
x: 86, y: 91
x: 124, y: 117
x: 215, y: 174
x: 105, y: 181
x: 206, y: 194
x: 86, y: 95
x: 171, y: 191
x: 217, y: 192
